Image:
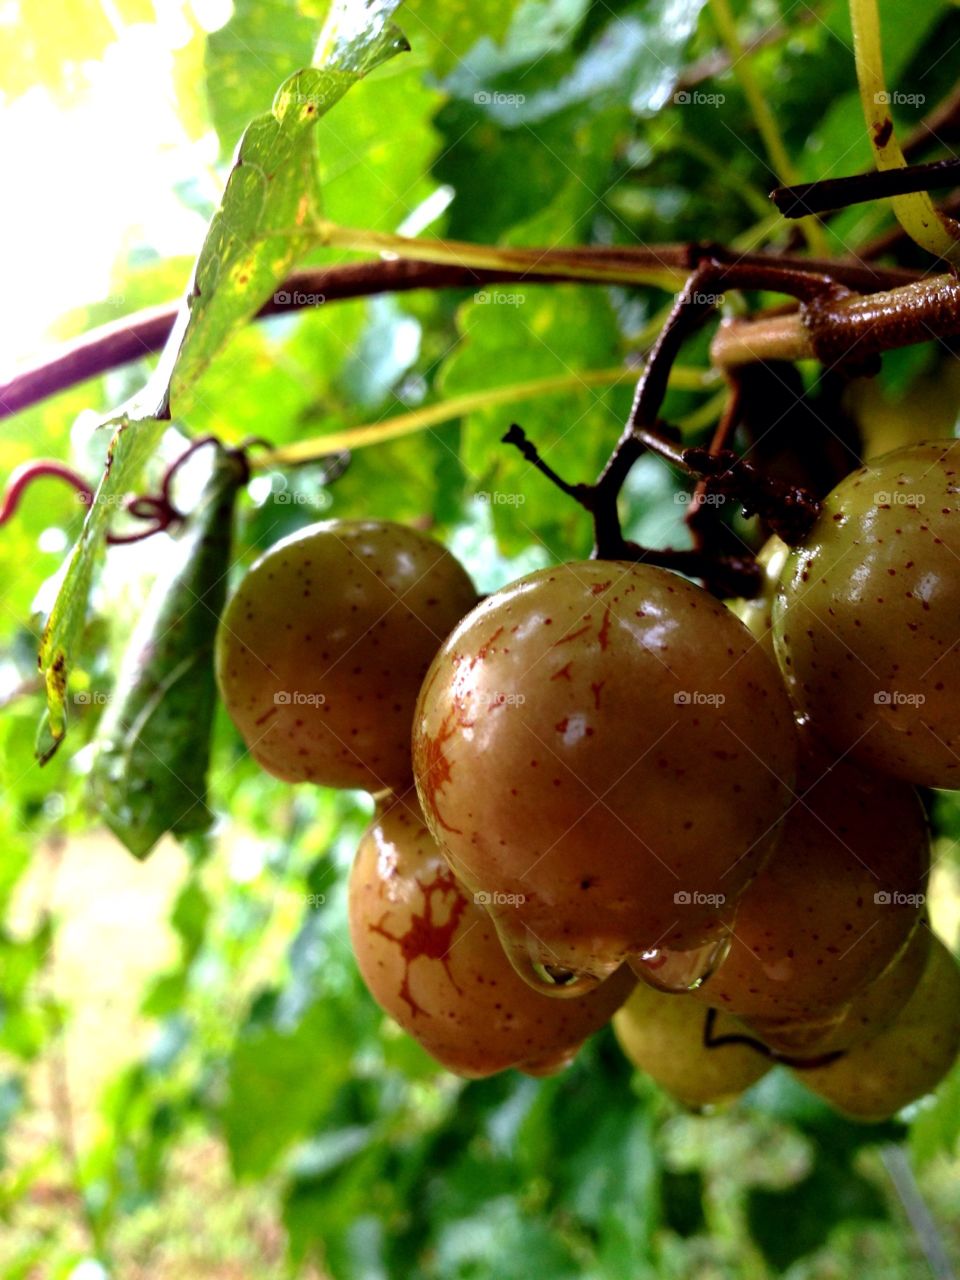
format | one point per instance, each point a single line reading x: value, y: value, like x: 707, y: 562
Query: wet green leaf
x: 149, y: 776
x: 129, y: 449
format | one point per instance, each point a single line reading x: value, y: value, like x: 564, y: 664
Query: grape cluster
x: 604, y: 794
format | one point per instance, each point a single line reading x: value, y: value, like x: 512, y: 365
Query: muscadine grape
x: 870, y: 1010
x: 835, y: 902
x: 603, y: 750
x: 908, y: 1059
x: 757, y: 613
x: 663, y: 1035
x: 866, y: 616
x: 431, y: 957
x: 321, y: 650
x: 888, y: 421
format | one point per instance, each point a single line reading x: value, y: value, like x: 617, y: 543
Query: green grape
x: 321, y: 650
x: 888, y: 421
x: 865, y: 620
x: 757, y: 614
x: 663, y: 1035
x: 836, y: 901
x: 906, y: 1060
x: 870, y: 1010
x: 431, y: 958
x: 603, y: 747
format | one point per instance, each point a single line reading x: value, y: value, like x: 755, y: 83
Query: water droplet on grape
x: 526, y: 955
x: 679, y: 971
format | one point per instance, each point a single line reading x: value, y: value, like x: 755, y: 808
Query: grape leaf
x: 935, y: 1130
x: 788, y: 1224
x: 266, y: 220
x: 519, y: 334
x: 249, y: 56
x: 446, y: 29
x: 280, y: 1085
x: 130, y: 447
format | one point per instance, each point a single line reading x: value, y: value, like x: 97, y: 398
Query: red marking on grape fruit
x: 485, y: 647
x: 435, y: 769
x: 572, y: 635
x: 425, y: 937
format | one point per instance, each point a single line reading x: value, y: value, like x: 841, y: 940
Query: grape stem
x: 144, y: 332
x: 703, y: 516
x: 881, y: 184
x: 732, y: 575
x: 901, y: 1175
x: 790, y: 511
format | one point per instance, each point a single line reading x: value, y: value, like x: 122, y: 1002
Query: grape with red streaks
x: 606, y: 741
x: 431, y: 957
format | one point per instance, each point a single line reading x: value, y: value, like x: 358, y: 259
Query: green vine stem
x: 928, y: 227
x: 434, y: 415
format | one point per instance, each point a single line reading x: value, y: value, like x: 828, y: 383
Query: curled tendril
x: 157, y: 510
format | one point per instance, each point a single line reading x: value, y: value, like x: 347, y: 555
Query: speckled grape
x: 834, y: 904
x: 757, y: 613
x: 431, y: 957
x: 321, y: 650
x: 605, y: 744
x: 868, y: 1013
x: 663, y: 1035
x: 908, y: 1059
x: 867, y: 619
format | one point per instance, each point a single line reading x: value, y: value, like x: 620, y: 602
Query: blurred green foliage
x: 535, y: 122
